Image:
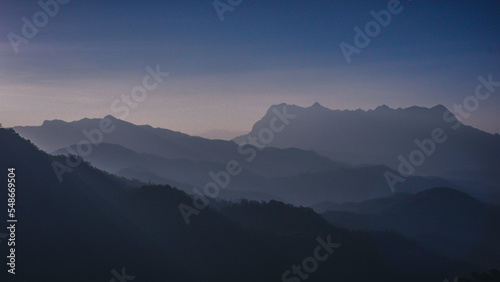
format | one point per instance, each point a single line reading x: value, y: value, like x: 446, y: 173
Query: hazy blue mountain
x: 444, y: 220
x: 294, y: 175
x: 270, y: 162
x: 221, y: 134
x: 346, y: 185
x: 184, y: 174
x: 104, y: 222
x: 379, y: 136
x: 56, y: 134
x: 340, y: 185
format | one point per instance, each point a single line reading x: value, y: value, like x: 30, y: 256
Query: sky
x: 224, y: 75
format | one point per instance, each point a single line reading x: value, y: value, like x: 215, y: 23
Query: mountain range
x: 300, y: 156
x: 145, y: 153
x: 379, y: 136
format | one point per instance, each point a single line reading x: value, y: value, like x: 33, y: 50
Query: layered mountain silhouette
x: 54, y: 136
x: 221, y: 134
x: 444, y: 220
x: 162, y: 156
x: 105, y: 223
x: 342, y: 184
x: 467, y: 157
x: 379, y: 136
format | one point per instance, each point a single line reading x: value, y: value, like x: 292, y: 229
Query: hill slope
x: 444, y: 220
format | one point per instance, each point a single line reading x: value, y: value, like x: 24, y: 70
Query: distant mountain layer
x: 444, y: 220
x: 221, y: 134
x: 379, y: 136
x: 58, y: 135
x: 254, y: 182
x: 166, y: 157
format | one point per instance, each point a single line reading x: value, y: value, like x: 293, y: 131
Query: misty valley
x: 162, y: 203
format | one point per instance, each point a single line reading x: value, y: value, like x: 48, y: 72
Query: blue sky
x: 225, y: 75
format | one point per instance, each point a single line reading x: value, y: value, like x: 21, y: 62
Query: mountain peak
x: 53, y: 122
x: 110, y: 117
x: 318, y: 106
x: 439, y: 108
x: 383, y: 107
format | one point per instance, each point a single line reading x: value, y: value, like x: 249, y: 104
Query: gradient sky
x: 225, y: 75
